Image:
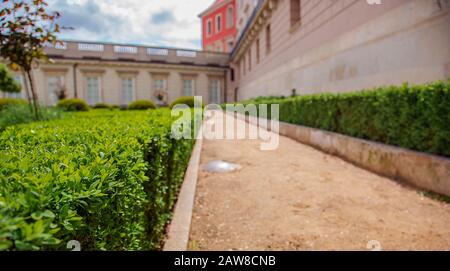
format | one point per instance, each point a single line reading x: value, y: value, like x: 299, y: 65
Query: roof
x: 247, y: 26
x: 214, y: 6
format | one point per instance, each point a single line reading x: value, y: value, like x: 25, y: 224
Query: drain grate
x: 219, y: 166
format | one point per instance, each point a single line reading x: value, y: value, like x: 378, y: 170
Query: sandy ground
x: 298, y: 198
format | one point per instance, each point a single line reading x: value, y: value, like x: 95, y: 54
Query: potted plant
x: 161, y: 98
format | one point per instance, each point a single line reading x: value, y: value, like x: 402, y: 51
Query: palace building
x: 316, y: 46
x: 262, y: 48
x: 119, y: 74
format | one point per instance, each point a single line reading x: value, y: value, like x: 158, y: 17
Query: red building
x: 219, y: 26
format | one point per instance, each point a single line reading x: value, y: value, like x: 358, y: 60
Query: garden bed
x: 107, y: 179
x: 407, y: 116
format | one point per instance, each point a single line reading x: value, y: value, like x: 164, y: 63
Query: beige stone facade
x: 117, y: 74
x: 342, y: 45
x: 284, y: 46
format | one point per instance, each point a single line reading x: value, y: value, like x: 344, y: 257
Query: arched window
x: 230, y: 17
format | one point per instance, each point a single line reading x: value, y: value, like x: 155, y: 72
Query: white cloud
x: 170, y: 23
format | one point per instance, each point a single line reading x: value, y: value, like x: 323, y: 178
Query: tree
x: 7, y: 81
x: 25, y: 28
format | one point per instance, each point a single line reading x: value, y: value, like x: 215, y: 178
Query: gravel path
x: 298, y: 198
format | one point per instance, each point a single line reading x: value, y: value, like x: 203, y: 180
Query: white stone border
x: 177, y: 238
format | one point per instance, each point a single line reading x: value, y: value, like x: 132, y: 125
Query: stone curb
x: 178, y: 232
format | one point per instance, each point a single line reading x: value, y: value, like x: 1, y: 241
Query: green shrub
x: 4, y: 102
x: 18, y: 114
x: 73, y: 105
x: 189, y: 101
x: 7, y: 81
x: 105, y: 178
x: 413, y: 117
x: 141, y: 105
x: 102, y: 106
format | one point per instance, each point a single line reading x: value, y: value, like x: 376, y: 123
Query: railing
x: 125, y: 49
x: 90, y: 47
x: 119, y: 52
x: 185, y: 53
x: 157, y: 51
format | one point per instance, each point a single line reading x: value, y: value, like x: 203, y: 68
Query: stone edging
x: 178, y: 232
x: 425, y: 171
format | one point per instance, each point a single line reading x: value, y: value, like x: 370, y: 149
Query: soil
x: 298, y: 198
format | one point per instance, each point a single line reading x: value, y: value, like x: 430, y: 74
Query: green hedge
x: 188, y: 100
x: 141, y: 105
x: 107, y: 179
x: 73, y: 105
x: 5, y: 102
x: 413, y: 117
x: 101, y: 106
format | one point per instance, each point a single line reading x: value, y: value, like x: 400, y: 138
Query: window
x: 268, y: 41
x: 188, y: 87
x: 127, y: 90
x: 257, y: 51
x: 159, y: 87
x: 93, y: 90
x: 55, y: 85
x: 160, y: 84
x: 214, y: 91
x: 219, y: 47
x: 249, y: 59
x: 218, y: 23
x: 16, y: 95
x: 230, y: 46
x: 295, y: 12
x: 209, y: 27
x: 230, y: 17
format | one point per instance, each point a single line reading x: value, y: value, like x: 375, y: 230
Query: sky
x: 168, y: 23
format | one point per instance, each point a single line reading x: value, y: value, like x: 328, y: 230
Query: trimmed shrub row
x: 141, y: 105
x: 81, y: 105
x: 413, y: 117
x: 107, y: 179
x: 188, y: 100
x: 4, y: 102
x: 101, y: 106
x: 73, y: 105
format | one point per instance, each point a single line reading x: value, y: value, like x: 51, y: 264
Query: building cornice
x: 134, y: 64
x: 214, y: 7
x: 55, y: 69
x: 254, y: 27
x: 92, y: 71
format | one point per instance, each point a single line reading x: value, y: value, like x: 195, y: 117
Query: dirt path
x: 298, y: 198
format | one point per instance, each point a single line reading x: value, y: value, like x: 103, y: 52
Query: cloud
x: 170, y: 23
x: 162, y: 17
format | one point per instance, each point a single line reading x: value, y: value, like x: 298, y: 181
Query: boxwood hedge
x: 416, y: 117
x: 106, y: 179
